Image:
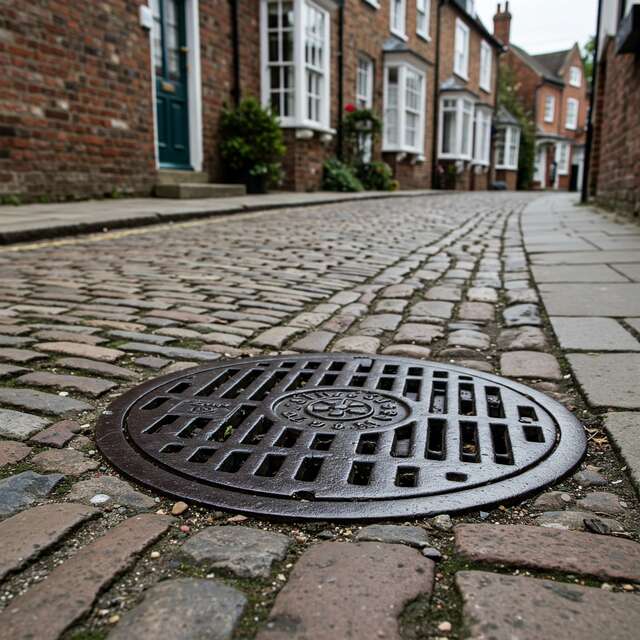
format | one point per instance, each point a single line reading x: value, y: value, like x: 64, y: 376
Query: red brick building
x: 100, y: 99
x: 614, y: 177
x: 554, y: 89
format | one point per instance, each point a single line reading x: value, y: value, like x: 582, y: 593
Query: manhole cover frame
x: 117, y: 447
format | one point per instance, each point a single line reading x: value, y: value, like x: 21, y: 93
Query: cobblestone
x: 12, y: 452
x: 116, y: 491
x: 90, y: 386
x: 19, y: 425
x: 530, y: 364
x: 81, y: 350
x: 67, y: 461
x: 23, y: 489
x: 40, y: 401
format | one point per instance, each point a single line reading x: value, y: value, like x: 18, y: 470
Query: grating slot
x: 436, y: 439
x: 454, y: 476
x: 234, y: 461
x: 208, y: 389
x: 263, y: 390
x: 328, y: 380
x: 527, y: 414
x: 312, y: 365
x: 202, y: 455
x: 172, y: 447
x: 360, y: 473
x: 270, y: 466
x: 181, y: 387
x: 402, y: 442
x: 287, y: 365
x: 242, y: 384
x: 415, y: 371
x: 495, y: 408
x: 194, y: 429
x: 288, y: 438
x: 533, y: 433
x: 466, y: 400
x: 258, y: 431
x: 368, y: 444
x: 232, y: 422
x: 309, y: 469
x: 407, y: 476
x: 299, y: 381
x: 412, y: 389
x: 322, y: 441
x: 390, y: 369
x: 385, y: 384
x: 357, y: 381
x: 440, y: 374
x: 336, y: 366
x: 163, y: 422
x: 155, y: 403
x: 438, y: 402
x: 469, y: 445
x: 365, y: 366
x: 502, y: 449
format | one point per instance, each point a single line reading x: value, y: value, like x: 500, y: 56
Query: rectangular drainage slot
x: 300, y: 380
x: 287, y: 365
x: 407, y: 476
x: 258, y: 431
x: 244, y: 382
x: 402, y: 442
x: 270, y: 466
x: 309, y: 469
x: 365, y: 366
x: 234, y: 461
x: 288, y: 438
x: 336, y: 366
x: 360, y: 473
x: 466, y: 400
x: 527, y: 414
x: 440, y: 374
x: 368, y: 444
x: 502, y: 450
x: 208, y: 389
x: 357, y: 381
x: 454, y: 476
x: 158, y: 424
x: 415, y: 371
x: 322, y: 441
x: 390, y: 369
x: 385, y: 384
x: 263, y: 391
x: 469, y: 446
x: 312, y: 365
x: 495, y: 408
x: 533, y: 433
x: 202, y: 455
x: 226, y: 429
x: 328, y: 380
x: 172, y: 447
x: 438, y: 402
x: 195, y: 428
x: 155, y: 403
x: 412, y: 388
x: 436, y: 439
x: 181, y: 387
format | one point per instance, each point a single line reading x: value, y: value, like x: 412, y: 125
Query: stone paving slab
x: 593, y: 334
x: 613, y: 300
x: 584, y: 257
x: 581, y: 273
x: 501, y: 607
x: 380, y: 579
x: 624, y: 429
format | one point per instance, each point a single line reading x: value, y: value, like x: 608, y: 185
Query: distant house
x: 554, y: 89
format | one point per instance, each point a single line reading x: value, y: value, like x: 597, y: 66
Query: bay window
x: 398, y: 18
x: 461, y: 51
x: 404, y: 108
x: 507, y: 148
x: 573, y: 107
x: 295, y: 44
x: 423, y: 9
x: 482, y: 150
x: 486, y: 62
x: 456, y: 128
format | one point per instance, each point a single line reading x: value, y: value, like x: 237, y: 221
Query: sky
x: 540, y: 26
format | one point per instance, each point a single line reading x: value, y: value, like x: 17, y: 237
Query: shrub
x: 360, y: 131
x: 338, y: 176
x: 376, y: 176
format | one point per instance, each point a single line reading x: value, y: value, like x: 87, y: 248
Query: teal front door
x: 172, y: 99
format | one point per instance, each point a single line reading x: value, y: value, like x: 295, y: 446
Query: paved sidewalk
x: 483, y: 280
x: 41, y: 221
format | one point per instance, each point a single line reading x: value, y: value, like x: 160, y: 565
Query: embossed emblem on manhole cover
x: 341, y: 437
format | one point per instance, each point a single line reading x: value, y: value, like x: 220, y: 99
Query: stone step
x: 175, y: 176
x: 186, y: 190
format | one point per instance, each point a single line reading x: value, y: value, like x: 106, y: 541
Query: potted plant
x: 252, y: 145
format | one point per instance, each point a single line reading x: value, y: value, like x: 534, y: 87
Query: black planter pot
x: 257, y: 184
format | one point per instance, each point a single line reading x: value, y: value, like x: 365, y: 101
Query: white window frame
x: 398, y: 18
x: 575, y: 76
x: 364, y: 74
x: 374, y: 3
x: 486, y: 66
x: 299, y: 118
x: 563, y: 167
x: 482, y: 137
x: 400, y: 145
x: 549, y: 108
x: 571, y: 117
x: 509, y: 139
x: 423, y: 8
x: 460, y: 56
x: 463, y: 105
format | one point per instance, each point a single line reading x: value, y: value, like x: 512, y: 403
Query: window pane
x: 449, y: 131
x: 466, y: 138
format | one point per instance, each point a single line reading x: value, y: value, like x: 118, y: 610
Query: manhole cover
x: 340, y: 437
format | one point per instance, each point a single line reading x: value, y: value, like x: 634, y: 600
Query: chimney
x: 502, y: 23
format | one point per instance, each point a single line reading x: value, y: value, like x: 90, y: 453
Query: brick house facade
x: 554, y: 90
x: 614, y: 177
x: 96, y: 99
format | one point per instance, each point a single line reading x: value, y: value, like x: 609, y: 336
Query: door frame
x: 194, y: 87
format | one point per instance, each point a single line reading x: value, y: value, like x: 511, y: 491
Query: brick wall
x: 509, y: 177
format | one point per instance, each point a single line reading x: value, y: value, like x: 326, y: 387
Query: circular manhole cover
x: 340, y: 437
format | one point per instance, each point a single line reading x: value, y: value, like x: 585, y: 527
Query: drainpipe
x: 235, y: 52
x: 436, y: 102
x: 340, y: 141
x: 584, y: 196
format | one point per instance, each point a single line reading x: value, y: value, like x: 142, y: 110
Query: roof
x: 553, y: 61
x: 504, y: 116
x: 538, y: 63
x: 453, y: 84
x: 461, y: 5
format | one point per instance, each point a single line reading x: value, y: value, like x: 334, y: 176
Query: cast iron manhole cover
x: 340, y: 437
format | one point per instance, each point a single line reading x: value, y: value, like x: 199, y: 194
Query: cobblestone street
x: 528, y: 286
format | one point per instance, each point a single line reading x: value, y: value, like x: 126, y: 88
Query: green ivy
x: 338, y: 176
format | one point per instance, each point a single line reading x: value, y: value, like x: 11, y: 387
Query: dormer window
x: 575, y: 77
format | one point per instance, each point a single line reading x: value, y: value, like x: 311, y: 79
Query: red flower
x: 350, y: 108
